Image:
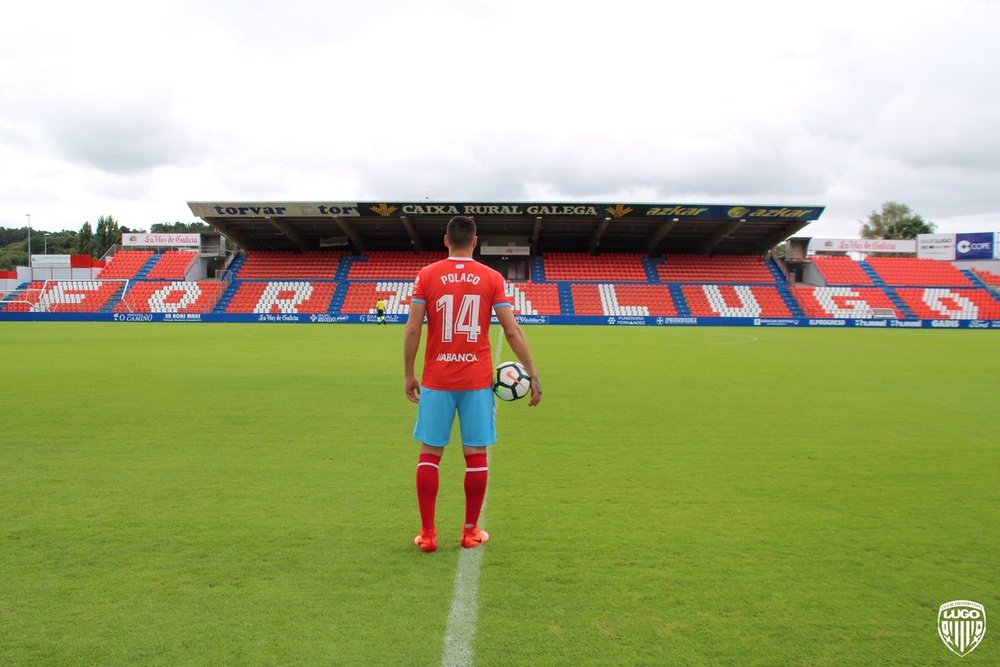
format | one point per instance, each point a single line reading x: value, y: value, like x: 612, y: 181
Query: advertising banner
x: 863, y: 245
x: 626, y: 321
x: 50, y: 261
x: 395, y: 209
x: 509, y: 250
x: 156, y: 240
x: 936, y: 246
x: 980, y: 245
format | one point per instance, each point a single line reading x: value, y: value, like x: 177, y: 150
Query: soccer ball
x: 511, y: 381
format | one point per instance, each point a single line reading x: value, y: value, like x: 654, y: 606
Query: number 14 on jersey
x: 467, y: 322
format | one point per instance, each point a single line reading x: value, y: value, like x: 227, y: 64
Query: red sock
x: 428, y: 481
x: 477, y: 474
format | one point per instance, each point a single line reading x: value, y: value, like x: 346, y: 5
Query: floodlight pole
x: 29, y: 242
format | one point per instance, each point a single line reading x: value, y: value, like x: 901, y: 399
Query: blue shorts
x: 476, y: 415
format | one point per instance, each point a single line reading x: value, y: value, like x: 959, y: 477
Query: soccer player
x: 458, y: 295
x: 380, y: 310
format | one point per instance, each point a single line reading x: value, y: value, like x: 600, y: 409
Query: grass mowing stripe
x: 461, y: 631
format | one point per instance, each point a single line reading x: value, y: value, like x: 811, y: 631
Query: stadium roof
x: 544, y: 227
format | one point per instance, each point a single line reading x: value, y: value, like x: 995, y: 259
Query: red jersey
x: 460, y: 295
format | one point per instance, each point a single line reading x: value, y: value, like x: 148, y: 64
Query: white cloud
x: 134, y: 109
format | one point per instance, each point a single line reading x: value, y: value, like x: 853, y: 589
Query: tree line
x: 88, y: 240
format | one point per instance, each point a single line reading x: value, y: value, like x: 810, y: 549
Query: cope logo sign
x: 974, y: 246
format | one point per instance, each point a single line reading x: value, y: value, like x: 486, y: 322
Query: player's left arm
x: 519, y: 344
x: 411, y: 343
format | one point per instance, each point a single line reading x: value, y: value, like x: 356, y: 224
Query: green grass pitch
x: 227, y: 494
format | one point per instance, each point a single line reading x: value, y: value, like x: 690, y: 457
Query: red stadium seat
x: 66, y: 296
x: 283, y: 265
x: 535, y: 298
x: 988, y: 277
x: 157, y: 296
x: 935, y: 303
x: 839, y: 270
x: 392, y: 265
x: 623, y: 300
x: 282, y: 297
x: 843, y: 302
x: 716, y: 269
x: 173, y: 265
x: 125, y: 264
x: 361, y: 297
x: 735, y: 301
x: 612, y: 267
x: 911, y: 271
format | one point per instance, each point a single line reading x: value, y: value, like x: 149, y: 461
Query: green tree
x: 179, y: 227
x: 895, y: 221
x: 85, y: 240
x: 10, y: 235
x: 108, y: 233
x: 12, y: 256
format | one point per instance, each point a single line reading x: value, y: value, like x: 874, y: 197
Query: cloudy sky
x: 135, y: 108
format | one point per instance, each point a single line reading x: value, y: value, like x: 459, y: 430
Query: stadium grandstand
x: 607, y: 263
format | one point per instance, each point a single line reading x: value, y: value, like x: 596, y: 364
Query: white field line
x: 460, y: 635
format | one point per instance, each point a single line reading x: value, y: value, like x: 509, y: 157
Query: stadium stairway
x: 147, y: 267
x: 793, y: 305
x: 677, y: 293
x: 14, y: 295
x: 236, y: 265
x: 227, y: 296
x: 779, y: 275
x: 976, y: 280
x: 343, y: 286
x: 899, y: 303
x: 116, y: 298
x: 566, y: 299
x: 538, y: 270
x: 650, y: 264
x: 344, y: 270
x: 873, y: 274
x: 890, y: 292
x: 781, y: 282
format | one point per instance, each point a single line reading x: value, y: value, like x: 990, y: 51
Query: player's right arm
x: 411, y: 343
x: 519, y: 344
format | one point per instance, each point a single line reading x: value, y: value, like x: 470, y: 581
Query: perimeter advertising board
x: 622, y: 321
x: 981, y: 245
x: 936, y: 246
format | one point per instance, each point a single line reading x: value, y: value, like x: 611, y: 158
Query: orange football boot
x: 427, y: 540
x: 473, y: 537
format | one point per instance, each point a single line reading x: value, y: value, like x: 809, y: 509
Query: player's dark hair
x: 461, y: 231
